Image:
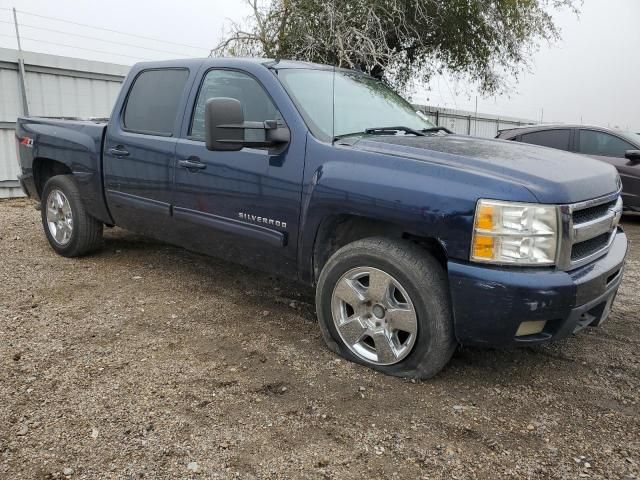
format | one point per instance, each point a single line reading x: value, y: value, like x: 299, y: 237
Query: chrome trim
x: 572, y: 234
x: 565, y: 243
x: 595, y: 201
x: 588, y: 230
x: 594, y: 255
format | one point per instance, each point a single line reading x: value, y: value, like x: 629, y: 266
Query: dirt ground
x: 147, y: 361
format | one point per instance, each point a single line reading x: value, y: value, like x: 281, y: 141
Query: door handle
x: 192, y: 164
x: 119, y: 151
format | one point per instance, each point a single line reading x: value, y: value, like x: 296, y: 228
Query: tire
x: 74, y: 232
x: 421, y: 329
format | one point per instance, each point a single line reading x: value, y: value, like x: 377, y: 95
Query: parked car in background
x: 618, y: 148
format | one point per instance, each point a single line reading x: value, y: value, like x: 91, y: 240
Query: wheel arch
x: 336, y: 231
x: 44, y: 168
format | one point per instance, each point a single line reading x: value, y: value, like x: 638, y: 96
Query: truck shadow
x: 495, y: 363
x: 631, y: 218
x: 262, y: 292
x: 254, y: 286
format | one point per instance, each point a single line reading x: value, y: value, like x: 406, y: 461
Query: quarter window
x: 256, y: 104
x: 549, y: 138
x: 602, y: 144
x: 153, y: 101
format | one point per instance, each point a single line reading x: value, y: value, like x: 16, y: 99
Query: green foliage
x: 485, y: 41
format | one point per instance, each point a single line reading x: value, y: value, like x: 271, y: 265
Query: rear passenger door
x: 559, y: 138
x: 140, y: 149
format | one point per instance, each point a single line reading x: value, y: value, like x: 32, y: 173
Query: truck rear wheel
x: 70, y: 230
x: 384, y: 303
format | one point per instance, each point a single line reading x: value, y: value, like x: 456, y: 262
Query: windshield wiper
x: 386, y: 131
x: 392, y: 130
x: 436, y: 129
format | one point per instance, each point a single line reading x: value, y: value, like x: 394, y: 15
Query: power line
x: 112, y: 31
x: 22, y: 25
x: 74, y: 46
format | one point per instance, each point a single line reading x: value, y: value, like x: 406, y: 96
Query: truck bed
x: 74, y: 144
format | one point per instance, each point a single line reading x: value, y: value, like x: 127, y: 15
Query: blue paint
x: 428, y: 186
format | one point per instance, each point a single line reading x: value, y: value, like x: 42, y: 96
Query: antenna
x: 333, y: 78
x: 333, y: 105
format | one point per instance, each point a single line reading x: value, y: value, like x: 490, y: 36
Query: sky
x: 591, y: 76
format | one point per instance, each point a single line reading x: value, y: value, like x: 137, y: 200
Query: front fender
x: 424, y: 199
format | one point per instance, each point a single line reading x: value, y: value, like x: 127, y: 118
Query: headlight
x: 515, y: 233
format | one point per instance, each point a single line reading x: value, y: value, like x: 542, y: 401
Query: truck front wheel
x: 384, y: 303
x: 71, y: 231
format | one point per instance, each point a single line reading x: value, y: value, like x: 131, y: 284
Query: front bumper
x: 490, y: 303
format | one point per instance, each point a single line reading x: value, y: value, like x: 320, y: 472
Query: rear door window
x: 154, y: 100
x: 558, y: 138
x: 602, y: 144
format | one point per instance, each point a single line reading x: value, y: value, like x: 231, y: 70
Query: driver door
x: 242, y: 205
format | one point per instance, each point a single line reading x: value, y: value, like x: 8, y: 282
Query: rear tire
x: 70, y: 230
x: 396, y: 317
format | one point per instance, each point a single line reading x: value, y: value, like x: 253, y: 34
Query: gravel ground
x: 147, y: 361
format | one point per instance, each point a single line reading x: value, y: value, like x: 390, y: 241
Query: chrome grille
x: 589, y: 247
x: 592, y: 213
x: 588, y: 229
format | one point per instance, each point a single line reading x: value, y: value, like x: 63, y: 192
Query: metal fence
x: 56, y: 86
x: 470, y: 123
x: 70, y: 87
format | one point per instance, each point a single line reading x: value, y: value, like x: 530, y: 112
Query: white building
x: 56, y: 86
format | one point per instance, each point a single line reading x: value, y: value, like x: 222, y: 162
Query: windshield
x: 361, y: 102
x: 633, y: 137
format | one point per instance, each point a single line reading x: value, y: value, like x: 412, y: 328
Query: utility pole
x: 21, y: 70
x: 475, y: 123
x: 541, y: 114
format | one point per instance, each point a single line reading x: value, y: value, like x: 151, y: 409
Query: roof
x: 550, y: 126
x: 278, y: 64
x: 630, y: 136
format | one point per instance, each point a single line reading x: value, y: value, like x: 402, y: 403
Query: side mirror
x: 219, y: 114
x: 225, y: 127
x: 633, y: 156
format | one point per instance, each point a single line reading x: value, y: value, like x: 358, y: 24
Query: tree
x: 485, y: 41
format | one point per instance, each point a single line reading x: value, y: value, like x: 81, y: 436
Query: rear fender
x: 77, y: 146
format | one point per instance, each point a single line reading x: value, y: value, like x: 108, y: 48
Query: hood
x: 552, y: 176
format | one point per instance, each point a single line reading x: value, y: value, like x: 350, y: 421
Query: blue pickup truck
x: 416, y: 240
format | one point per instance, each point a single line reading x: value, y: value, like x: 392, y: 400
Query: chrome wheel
x: 59, y: 217
x: 374, y: 316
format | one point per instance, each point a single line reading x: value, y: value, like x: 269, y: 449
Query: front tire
x: 384, y: 303
x: 70, y: 230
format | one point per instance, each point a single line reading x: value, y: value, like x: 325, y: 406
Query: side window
x: 256, y: 104
x: 549, y: 138
x: 153, y: 101
x: 603, y: 144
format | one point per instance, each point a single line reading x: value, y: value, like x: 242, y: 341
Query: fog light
x: 530, y: 328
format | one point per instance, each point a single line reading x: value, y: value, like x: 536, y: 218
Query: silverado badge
x: 264, y: 220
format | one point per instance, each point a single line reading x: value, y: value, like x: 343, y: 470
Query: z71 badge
x: 263, y: 220
x: 26, y: 141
